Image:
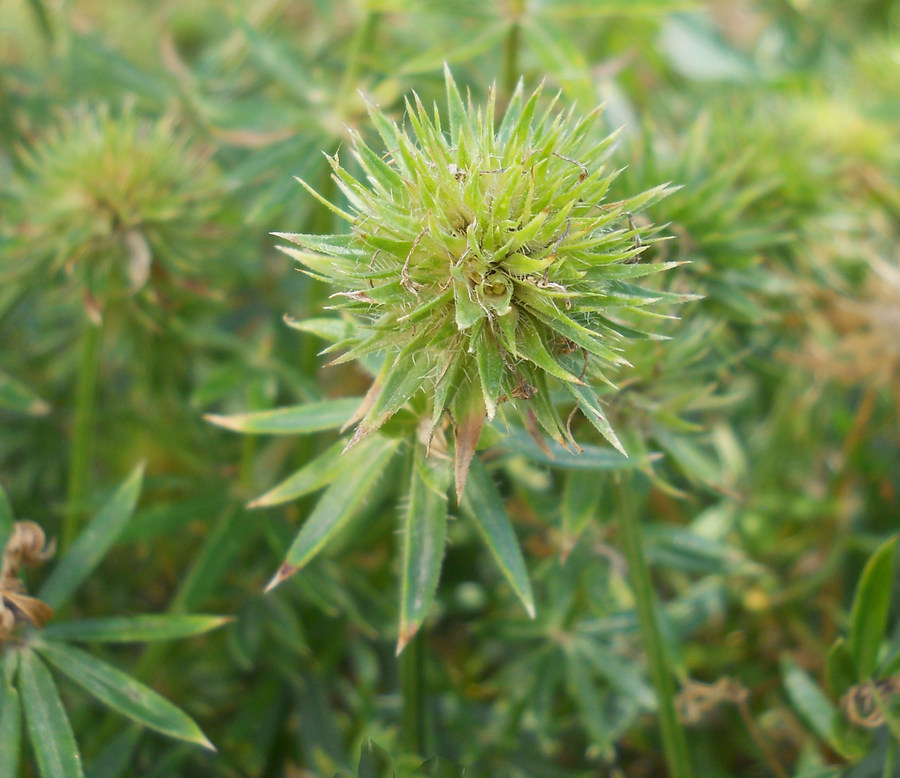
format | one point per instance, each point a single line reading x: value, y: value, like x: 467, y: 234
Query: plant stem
x: 416, y: 725
x: 363, y: 39
x: 511, y: 44
x: 81, y: 447
x: 674, y: 740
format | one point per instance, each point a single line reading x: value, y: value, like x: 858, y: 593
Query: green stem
x: 416, y: 725
x: 81, y: 448
x: 511, y: 46
x: 674, y: 740
x: 363, y: 40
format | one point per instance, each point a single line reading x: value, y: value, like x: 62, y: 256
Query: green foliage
x: 29, y: 688
x: 478, y: 261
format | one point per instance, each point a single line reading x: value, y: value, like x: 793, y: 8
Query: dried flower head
x: 27, y: 546
x: 113, y: 200
x: 863, y: 331
x: 485, y: 263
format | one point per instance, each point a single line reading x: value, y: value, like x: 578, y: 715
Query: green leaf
x: 590, y: 407
x: 868, y: 617
x: 840, y: 672
x: 15, y: 396
x: 374, y: 762
x: 49, y: 730
x: 10, y: 718
x: 293, y: 420
x: 336, y: 506
x: 811, y: 703
x: 123, y: 693
x: 580, y: 499
x: 424, y: 536
x: 314, y: 475
x: 93, y: 543
x: 483, y: 505
x: 589, y: 701
x: 404, y: 379
x: 227, y: 538
x: 115, y: 758
x: 134, y: 629
x: 589, y: 458
x: 6, y: 519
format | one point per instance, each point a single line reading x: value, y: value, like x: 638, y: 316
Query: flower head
x: 485, y: 263
x: 110, y: 199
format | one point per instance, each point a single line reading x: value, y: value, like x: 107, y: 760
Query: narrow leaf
x: 335, y: 508
x: 483, y: 505
x: 424, y: 536
x: 581, y: 496
x: 93, y: 543
x: 589, y: 458
x: 49, y: 730
x: 469, y: 412
x: 123, y: 693
x: 314, y: 475
x: 868, y: 617
x: 292, y: 420
x: 811, y: 703
x: 134, y: 629
x: 10, y: 718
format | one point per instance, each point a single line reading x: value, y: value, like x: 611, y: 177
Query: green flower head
x: 485, y: 264
x: 115, y: 201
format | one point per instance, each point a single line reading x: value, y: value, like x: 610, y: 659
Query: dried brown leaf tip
x: 27, y: 547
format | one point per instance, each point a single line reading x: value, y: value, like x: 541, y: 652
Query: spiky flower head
x: 486, y: 264
x: 113, y: 200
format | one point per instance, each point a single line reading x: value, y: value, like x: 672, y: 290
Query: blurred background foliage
x: 147, y: 150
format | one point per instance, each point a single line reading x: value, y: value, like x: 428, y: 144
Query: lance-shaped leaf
x: 484, y: 506
x: 468, y: 413
x: 10, y: 717
x: 581, y: 496
x: 590, y: 407
x: 92, y: 544
x: 49, y: 730
x: 336, y: 507
x: 293, y: 420
x: 123, y: 693
x: 405, y: 378
x: 424, y: 535
x: 134, y: 629
x: 314, y: 475
x: 588, y: 458
x: 868, y: 618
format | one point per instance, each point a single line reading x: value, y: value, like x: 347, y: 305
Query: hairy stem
x: 674, y: 740
x: 82, y: 444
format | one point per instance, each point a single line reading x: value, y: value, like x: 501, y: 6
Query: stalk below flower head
x: 484, y: 263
